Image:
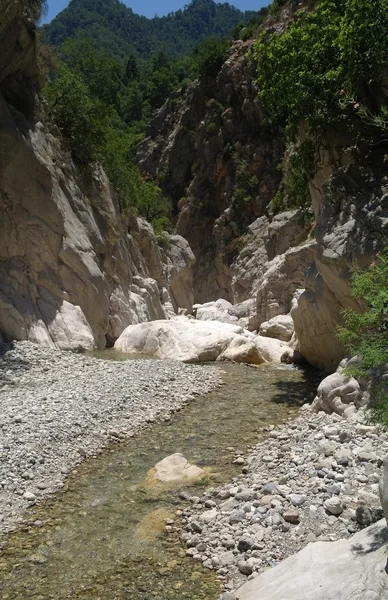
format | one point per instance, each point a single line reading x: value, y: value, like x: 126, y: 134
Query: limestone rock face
x: 350, y: 569
x: 352, y: 225
x: 73, y: 271
x: 275, y: 289
x: 180, y: 260
x: 199, y: 138
x: 70, y: 274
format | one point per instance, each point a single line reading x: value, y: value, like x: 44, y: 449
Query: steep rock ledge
x: 351, y: 227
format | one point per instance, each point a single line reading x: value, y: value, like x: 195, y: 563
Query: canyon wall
x: 74, y: 271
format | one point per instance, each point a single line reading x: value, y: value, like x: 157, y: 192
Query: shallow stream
x: 101, y: 537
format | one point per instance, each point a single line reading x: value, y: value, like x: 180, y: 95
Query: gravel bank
x: 315, y: 478
x: 57, y: 408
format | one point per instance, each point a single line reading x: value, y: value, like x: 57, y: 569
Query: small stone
x: 363, y: 516
x: 196, y: 527
x: 364, y: 456
x: 334, y: 506
x: 270, y: 488
x: 244, y: 567
x: 209, y: 516
x: 29, y: 496
x: 236, y: 516
x: 297, y: 499
x: 291, y: 515
x: 245, y: 544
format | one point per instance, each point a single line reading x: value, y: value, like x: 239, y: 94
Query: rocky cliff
x: 215, y: 157
x: 74, y: 271
x: 212, y: 153
x: 351, y: 227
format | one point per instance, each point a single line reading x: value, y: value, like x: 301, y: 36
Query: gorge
x: 245, y: 274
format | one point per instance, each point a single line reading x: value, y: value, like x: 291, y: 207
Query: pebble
x: 334, y: 506
x: 61, y: 407
x: 313, y: 478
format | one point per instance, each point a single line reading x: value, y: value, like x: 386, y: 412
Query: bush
x: 296, y: 181
x: 210, y: 56
x: 77, y: 114
x: 365, y: 334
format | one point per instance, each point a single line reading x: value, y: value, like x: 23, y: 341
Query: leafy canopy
x: 341, y: 45
x: 117, y: 29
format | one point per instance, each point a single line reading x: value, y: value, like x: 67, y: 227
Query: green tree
x: 101, y: 72
x: 78, y: 115
x: 365, y: 334
x: 132, y: 69
x: 210, y: 56
x: 340, y: 45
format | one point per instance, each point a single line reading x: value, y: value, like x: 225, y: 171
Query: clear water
x: 101, y: 537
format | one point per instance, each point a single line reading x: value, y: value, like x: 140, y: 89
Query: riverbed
x: 102, y: 535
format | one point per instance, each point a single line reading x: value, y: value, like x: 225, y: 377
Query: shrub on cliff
x: 210, y: 56
x: 366, y: 334
x: 341, y: 45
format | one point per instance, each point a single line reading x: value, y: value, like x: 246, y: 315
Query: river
x: 101, y: 537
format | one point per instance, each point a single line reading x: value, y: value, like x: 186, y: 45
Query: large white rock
x: 337, y: 393
x: 244, y: 350
x: 174, y: 468
x: 189, y: 340
x: 383, y: 488
x: 180, y: 339
x: 280, y: 327
x: 271, y: 350
x: 350, y: 569
x: 219, y: 310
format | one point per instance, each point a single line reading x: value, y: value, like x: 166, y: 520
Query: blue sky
x: 159, y: 7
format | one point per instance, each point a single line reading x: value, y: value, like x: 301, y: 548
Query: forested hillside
x: 115, y: 28
x: 111, y: 69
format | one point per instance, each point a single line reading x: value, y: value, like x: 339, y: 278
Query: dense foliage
x: 116, y: 29
x: 366, y: 334
x: 340, y: 46
x: 85, y: 104
x: 323, y: 73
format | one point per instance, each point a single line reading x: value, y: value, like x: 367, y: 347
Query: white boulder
x: 220, y: 310
x: 280, y: 328
x: 271, y: 350
x: 189, y: 341
x: 244, y: 350
x: 350, y: 569
x: 174, y: 468
x: 383, y: 488
x: 180, y: 339
x: 338, y: 393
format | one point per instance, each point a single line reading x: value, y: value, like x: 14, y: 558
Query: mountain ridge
x: 117, y: 29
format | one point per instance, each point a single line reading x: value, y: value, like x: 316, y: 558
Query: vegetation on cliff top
x: 325, y: 71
